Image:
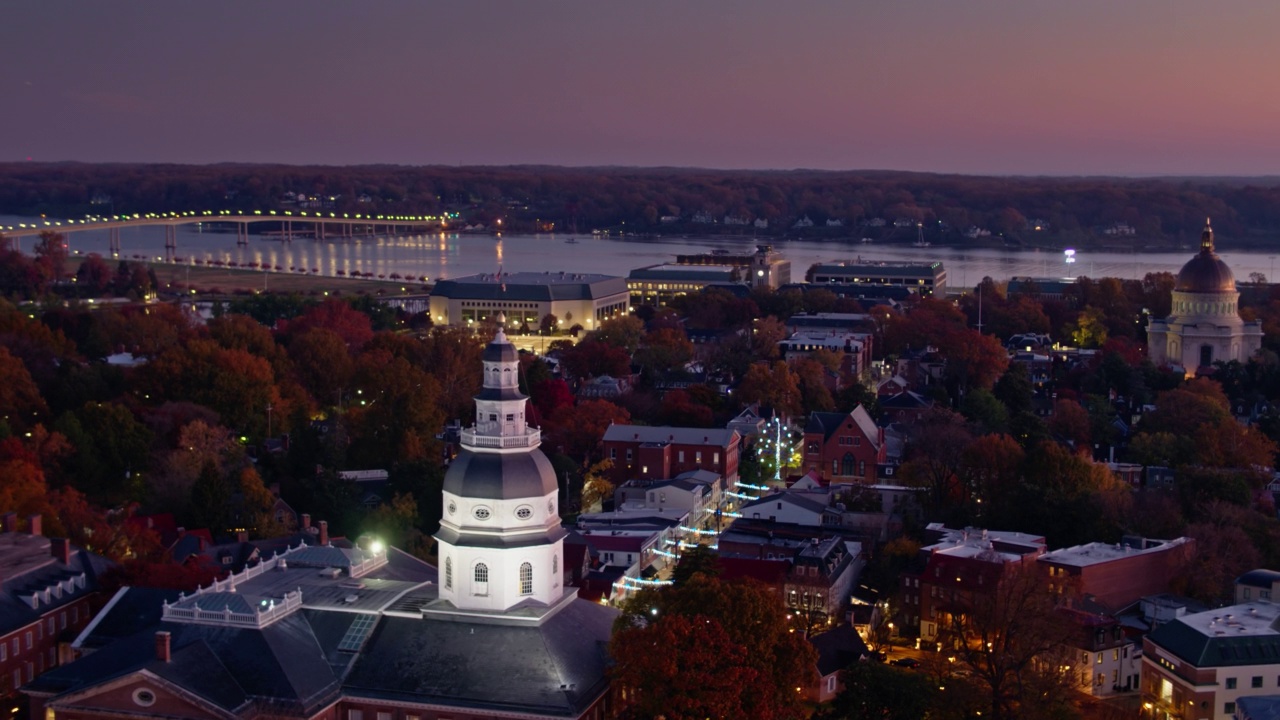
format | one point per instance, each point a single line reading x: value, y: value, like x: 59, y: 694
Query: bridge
x: 293, y: 224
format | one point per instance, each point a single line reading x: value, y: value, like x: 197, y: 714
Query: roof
x: 1259, y: 578
x: 557, y: 667
x: 546, y: 286
x: 721, y: 437
x: 1206, y: 272
x: 498, y: 476
x: 1258, y: 707
x: 707, y: 273
x: 791, y: 498
x: 1237, y: 635
x: 130, y: 610
x: 837, y: 648
x: 828, y: 422
x: 32, y: 580
x: 1098, y: 553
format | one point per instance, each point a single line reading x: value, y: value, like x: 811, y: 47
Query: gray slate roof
x: 531, y: 286
x: 556, y: 668
x: 665, y: 433
x: 27, y: 566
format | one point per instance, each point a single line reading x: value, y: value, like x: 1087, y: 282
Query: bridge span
x: 292, y: 224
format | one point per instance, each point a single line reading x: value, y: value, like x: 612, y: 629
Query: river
x: 454, y: 255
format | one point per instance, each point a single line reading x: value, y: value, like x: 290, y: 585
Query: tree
x: 210, y: 496
x: 579, y: 429
x: 354, y: 327
x: 51, y: 257
x: 549, y: 324
x: 766, y: 333
x: 986, y: 412
x: 698, y: 559
x: 935, y: 452
x: 596, y: 486
x: 1070, y: 421
x: 752, y: 618
x: 665, y: 349
x: 999, y: 632
x: 21, y: 404
x: 94, y: 275
x: 112, y: 452
x: 453, y: 355
x: 623, y: 332
x: 873, y: 691
x: 395, y: 412
x: 684, y: 668
x: 592, y: 358
x: 322, y: 363
x: 772, y: 385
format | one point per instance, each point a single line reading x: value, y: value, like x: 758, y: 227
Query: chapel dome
x: 1206, y: 272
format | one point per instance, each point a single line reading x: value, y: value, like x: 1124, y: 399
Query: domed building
x: 1205, y: 326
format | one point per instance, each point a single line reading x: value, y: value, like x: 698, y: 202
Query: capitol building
x: 1205, y: 326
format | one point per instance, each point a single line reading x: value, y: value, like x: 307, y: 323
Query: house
x: 838, y: 648
x: 47, y: 595
x: 1258, y: 584
x: 658, y: 453
x: 822, y: 577
x: 1206, y: 662
x: 855, y: 349
x: 792, y: 508
x: 803, y: 222
x: 604, y: 387
x: 749, y: 424
x: 843, y: 447
x: 904, y: 407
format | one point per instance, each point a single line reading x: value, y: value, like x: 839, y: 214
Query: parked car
x: 906, y: 662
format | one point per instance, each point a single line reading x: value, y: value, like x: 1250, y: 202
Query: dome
x: 500, y: 476
x: 1206, y: 272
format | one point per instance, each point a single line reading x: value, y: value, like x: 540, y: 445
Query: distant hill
x: 883, y: 205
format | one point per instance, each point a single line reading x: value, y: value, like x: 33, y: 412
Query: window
x: 1247, y: 592
x: 857, y: 442
x: 697, y: 456
x: 613, y: 453
x: 384, y: 715
x: 4, y: 652
x: 1229, y: 708
x: 846, y: 464
x: 355, y: 715
x: 481, y: 584
x: 1115, y: 654
x: 526, y: 579
x: 715, y: 457
x: 1231, y: 683
x: 493, y: 417
x: 680, y: 456
x: 628, y: 454
x: 524, y: 512
x: 555, y: 564
x: 448, y: 573
x: 1256, y: 682
x: 28, y: 639
x: 510, y: 418
x: 831, y: 684
x: 1099, y: 658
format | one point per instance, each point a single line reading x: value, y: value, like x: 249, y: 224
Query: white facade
x: 501, y: 543
x: 1205, y: 325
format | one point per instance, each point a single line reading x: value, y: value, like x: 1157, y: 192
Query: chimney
x: 162, y: 646
x: 10, y: 522
x: 60, y: 548
x: 34, y: 524
x: 306, y: 521
x: 324, y: 532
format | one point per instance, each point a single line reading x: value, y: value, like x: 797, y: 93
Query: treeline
x: 638, y: 200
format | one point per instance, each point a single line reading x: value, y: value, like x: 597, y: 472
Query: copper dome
x: 1206, y: 272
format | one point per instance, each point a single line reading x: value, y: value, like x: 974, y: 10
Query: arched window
x: 847, y: 464
x: 481, y: 584
x: 526, y: 579
x: 448, y: 573
x: 555, y: 564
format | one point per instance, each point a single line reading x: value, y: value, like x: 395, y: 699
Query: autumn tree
x: 596, y: 486
x: 323, y: 364
x: 354, y: 327
x: 772, y: 385
x: 935, y: 454
x: 624, y: 331
x: 998, y: 633
x: 753, y: 621
x: 111, y: 452
x: 21, y: 404
x: 453, y: 357
x: 395, y: 413
x: 577, y: 430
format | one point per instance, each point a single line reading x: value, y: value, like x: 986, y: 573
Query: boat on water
x: 572, y: 241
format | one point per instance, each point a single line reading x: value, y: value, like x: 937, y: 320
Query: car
x: 876, y: 656
x: 906, y: 662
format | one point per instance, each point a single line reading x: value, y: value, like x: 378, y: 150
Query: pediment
x: 138, y: 694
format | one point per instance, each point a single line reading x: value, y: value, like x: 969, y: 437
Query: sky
x: 1028, y: 87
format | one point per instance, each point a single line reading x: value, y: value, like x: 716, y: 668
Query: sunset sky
x: 1128, y: 87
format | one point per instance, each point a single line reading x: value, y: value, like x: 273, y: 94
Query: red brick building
x: 658, y: 453
x: 844, y: 447
x: 1116, y: 576
x: 48, y: 592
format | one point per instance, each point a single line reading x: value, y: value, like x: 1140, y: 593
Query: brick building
x: 961, y: 565
x: 658, y: 453
x: 844, y: 447
x: 48, y: 591
x: 1116, y: 576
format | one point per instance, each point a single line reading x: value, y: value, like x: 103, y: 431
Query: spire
x: 1206, y: 238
